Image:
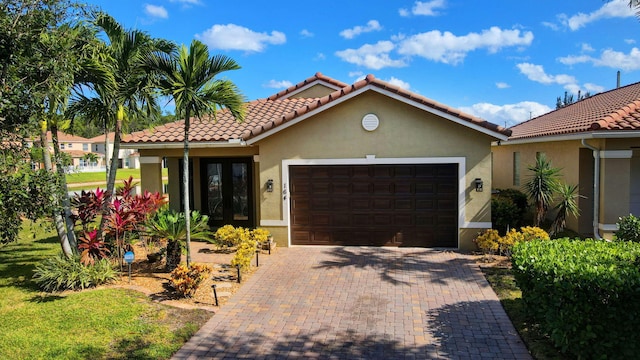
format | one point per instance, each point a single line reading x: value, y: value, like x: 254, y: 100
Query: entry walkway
x: 360, y: 303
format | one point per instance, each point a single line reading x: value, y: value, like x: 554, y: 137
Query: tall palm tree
x: 541, y: 186
x: 189, y: 78
x: 125, y: 92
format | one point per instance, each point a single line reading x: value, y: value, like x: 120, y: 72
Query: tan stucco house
x: 328, y: 163
x: 596, y: 142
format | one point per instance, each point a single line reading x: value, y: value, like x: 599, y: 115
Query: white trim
x: 577, y: 136
x: 476, y: 225
x: 616, y: 154
x: 608, y: 227
x: 256, y: 158
x: 461, y: 161
x: 273, y: 223
x: 150, y: 160
x: 180, y: 145
x: 388, y: 94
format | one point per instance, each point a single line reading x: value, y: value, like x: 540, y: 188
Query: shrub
x: 508, y: 209
x: 260, y: 235
x: 583, y: 294
x: 489, y: 241
x: 60, y: 273
x: 628, y: 229
x: 246, y: 248
x: 227, y: 236
x: 186, y: 281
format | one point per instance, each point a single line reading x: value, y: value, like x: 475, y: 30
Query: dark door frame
x: 227, y: 189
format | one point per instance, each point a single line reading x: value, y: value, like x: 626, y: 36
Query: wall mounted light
x: 479, y: 184
x: 269, y: 185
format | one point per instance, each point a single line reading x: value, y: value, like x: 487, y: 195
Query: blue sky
x: 502, y: 60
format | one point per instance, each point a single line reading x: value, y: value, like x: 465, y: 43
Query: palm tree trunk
x: 57, y: 216
x: 185, y: 186
x: 113, y: 167
x: 66, y: 204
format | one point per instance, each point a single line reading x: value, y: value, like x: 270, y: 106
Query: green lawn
x: 92, y: 324
x: 100, y: 177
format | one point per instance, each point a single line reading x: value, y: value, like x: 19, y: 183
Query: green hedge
x: 585, y: 294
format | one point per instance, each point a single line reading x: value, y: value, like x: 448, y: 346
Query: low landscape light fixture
x: 269, y: 185
x: 479, y: 184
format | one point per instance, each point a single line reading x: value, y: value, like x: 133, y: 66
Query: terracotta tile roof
x: 266, y: 114
x: 317, y: 77
x: 613, y: 110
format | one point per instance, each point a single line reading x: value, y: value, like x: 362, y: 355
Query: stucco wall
x: 404, y: 132
x: 316, y: 91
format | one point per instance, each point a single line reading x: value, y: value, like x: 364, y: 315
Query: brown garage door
x: 377, y: 205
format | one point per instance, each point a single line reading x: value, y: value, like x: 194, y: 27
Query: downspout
x: 596, y: 188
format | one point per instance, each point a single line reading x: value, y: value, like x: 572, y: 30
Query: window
x: 61, y: 146
x: 516, y: 168
x: 85, y: 147
x: 69, y: 145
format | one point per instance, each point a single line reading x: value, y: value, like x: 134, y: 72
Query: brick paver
x: 360, y: 303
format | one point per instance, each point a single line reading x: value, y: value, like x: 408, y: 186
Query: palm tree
x: 189, y: 78
x: 542, y: 185
x: 120, y: 88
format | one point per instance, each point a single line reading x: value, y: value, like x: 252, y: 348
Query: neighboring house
x: 76, y: 147
x: 328, y: 163
x: 596, y: 142
x: 127, y: 158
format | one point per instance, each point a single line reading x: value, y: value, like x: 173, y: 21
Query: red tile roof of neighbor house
x: 266, y: 114
x: 613, y: 110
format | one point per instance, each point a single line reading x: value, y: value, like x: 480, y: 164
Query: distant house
x: 329, y: 163
x: 596, y: 142
x: 127, y: 158
x: 77, y: 148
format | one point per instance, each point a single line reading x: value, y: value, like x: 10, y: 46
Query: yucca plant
x: 541, y: 186
x: 170, y: 225
x: 567, y: 205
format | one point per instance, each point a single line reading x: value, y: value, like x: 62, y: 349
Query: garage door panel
x: 392, y: 205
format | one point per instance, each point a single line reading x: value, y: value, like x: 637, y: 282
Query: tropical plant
x: 186, y: 280
x: 170, y: 226
x: 119, y: 85
x: 60, y: 273
x: 567, y: 205
x: 246, y: 248
x: 541, y: 186
x: 189, y: 78
x: 91, y: 248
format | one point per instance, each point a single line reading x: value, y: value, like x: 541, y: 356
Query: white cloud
x: 427, y: 8
x: 451, y: 49
x: 234, y: 37
x: 536, y: 73
x: 584, y: 47
x: 156, y: 11
x: 509, y: 114
x: 282, y: 84
x: 502, y: 85
x: 608, y: 58
x: 630, y: 41
x: 356, y: 73
x: 306, y: 33
x: 399, y: 83
x: 374, y: 56
x: 320, y: 56
x: 187, y: 2
x: 610, y: 9
x: 372, y: 25
x: 593, y: 88
x: 551, y: 25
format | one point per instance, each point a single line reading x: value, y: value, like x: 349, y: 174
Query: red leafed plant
x: 91, y: 247
x: 87, y: 206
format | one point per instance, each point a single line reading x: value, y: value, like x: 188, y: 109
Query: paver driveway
x: 360, y: 303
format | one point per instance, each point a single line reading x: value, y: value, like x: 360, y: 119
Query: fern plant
x: 60, y: 273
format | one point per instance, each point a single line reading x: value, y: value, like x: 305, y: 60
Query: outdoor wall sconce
x: 269, y: 185
x: 479, y: 184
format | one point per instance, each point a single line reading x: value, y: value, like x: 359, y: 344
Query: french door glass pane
x: 240, y: 191
x: 214, y: 197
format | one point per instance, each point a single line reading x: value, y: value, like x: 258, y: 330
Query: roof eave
x: 233, y: 143
x: 624, y: 134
